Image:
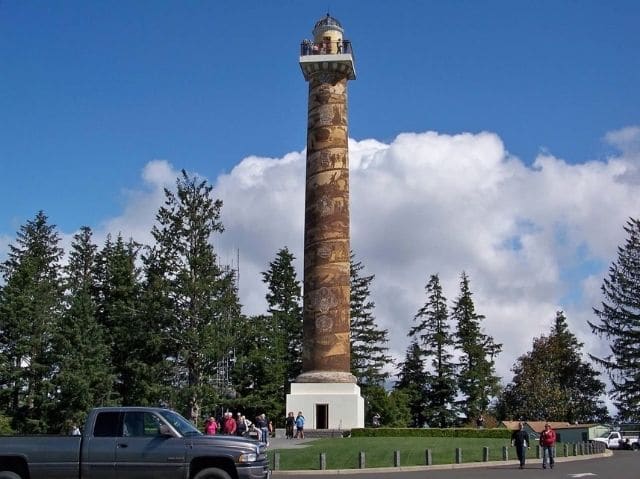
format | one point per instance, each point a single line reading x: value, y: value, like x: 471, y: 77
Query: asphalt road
x: 621, y: 465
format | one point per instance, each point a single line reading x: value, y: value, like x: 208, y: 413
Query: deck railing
x: 308, y: 47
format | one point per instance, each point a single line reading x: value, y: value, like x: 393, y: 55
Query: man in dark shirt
x: 520, y: 439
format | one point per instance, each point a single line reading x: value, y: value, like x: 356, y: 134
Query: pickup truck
x: 617, y: 440
x: 135, y: 443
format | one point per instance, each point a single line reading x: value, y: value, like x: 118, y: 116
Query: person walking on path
x: 548, y: 443
x: 263, y: 425
x: 289, y: 424
x: 520, y: 439
x: 300, y: 425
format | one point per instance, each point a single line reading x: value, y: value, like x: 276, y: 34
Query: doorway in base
x: 322, y: 416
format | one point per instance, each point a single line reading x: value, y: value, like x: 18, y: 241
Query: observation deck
x: 315, y: 57
x: 328, y: 51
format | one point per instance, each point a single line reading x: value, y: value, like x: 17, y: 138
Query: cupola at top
x: 327, y: 28
x: 328, y: 50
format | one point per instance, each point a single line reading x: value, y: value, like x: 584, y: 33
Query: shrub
x: 5, y: 425
x: 498, y: 433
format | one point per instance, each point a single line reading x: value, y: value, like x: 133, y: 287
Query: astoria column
x: 326, y: 384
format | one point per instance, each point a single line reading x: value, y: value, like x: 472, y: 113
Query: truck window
x: 140, y: 424
x: 183, y: 426
x: 107, y: 424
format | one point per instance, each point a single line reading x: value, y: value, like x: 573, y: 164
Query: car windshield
x: 183, y: 426
x: 605, y: 435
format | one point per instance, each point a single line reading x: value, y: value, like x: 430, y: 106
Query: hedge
x: 5, y: 425
x: 497, y: 433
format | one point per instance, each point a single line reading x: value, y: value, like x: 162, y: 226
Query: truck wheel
x: 9, y: 475
x: 208, y: 473
x: 635, y: 446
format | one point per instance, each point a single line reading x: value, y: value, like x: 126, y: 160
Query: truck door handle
x: 123, y: 445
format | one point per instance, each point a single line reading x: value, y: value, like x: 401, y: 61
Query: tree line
x: 162, y: 324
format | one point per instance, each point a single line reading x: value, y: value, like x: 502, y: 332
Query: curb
x: 438, y: 467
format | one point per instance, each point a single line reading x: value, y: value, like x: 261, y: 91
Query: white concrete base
x: 327, y: 405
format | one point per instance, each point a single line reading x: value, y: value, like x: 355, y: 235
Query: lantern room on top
x: 328, y: 51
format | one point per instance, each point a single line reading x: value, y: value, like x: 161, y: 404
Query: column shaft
x: 326, y: 328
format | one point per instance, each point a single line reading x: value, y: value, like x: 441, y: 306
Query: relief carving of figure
x: 322, y: 300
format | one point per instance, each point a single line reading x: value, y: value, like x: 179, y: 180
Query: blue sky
x: 497, y: 137
x: 91, y: 91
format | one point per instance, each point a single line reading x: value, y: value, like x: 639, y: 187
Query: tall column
x: 326, y: 328
x: 326, y: 390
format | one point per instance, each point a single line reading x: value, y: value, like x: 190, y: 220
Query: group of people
x: 322, y: 48
x: 520, y: 439
x: 294, y: 422
x: 239, y: 426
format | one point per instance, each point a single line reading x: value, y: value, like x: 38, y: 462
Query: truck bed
x: 49, y: 457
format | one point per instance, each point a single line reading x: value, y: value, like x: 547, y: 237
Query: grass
x: 343, y: 453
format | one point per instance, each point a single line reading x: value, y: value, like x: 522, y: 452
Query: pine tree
x: 412, y: 382
x: 150, y: 371
x: 580, y: 380
x: 118, y: 300
x: 552, y: 382
x: 284, y: 298
x: 619, y: 323
x: 477, y: 379
x: 436, y: 343
x: 269, y: 356
x: 202, y: 294
x: 368, y: 342
x: 30, y: 308
x: 258, y: 371
x: 84, y: 378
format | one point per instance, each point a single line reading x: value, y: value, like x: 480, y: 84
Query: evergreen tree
x: 580, y: 380
x: 368, y: 342
x: 392, y: 407
x: 412, y: 382
x: 435, y: 340
x: 619, y: 323
x: 477, y: 379
x: 83, y: 379
x: 202, y: 294
x: 258, y: 371
x: 551, y: 382
x: 118, y: 300
x: 284, y: 300
x: 150, y: 373
x: 30, y: 308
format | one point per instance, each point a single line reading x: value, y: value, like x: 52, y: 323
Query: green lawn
x: 342, y: 453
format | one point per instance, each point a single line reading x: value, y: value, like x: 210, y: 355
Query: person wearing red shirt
x: 548, y: 444
x: 229, y: 426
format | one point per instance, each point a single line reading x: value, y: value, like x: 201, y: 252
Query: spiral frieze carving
x: 326, y: 335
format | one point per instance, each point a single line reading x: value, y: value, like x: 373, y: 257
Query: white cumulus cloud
x: 532, y: 238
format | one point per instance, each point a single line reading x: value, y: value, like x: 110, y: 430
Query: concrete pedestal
x: 327, y: 405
